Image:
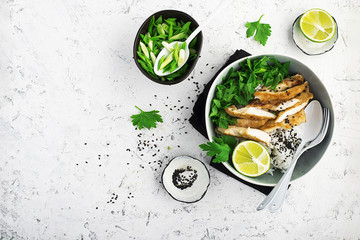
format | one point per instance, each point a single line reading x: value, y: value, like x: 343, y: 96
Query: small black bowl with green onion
x: 167, y: 26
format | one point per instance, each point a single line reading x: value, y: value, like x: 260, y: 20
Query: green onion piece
x: 144, y: 49
x: 167, y: 61
x: 178, y: 36
x: 176, y: 52
x: 149, y: 41
x: 183, y: 46
x: 151, y: 44
x: 170, y: 30
x: 173, y: 66
x: 181, y: 60
x: 161, y: 61
x: 160, y: 29
x: 167, y: 46
x: 153, y: 57
x: 165, y: 27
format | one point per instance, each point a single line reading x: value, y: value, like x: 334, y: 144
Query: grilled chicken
x: 276, y: 106
x: 250, y: 123
x: 247, y: 133
x: 282, y: 95
x: 249, y: 112
x: 286, y: 84
x: 255, y: 121
x: 287, y: 123
x: 304, y: 98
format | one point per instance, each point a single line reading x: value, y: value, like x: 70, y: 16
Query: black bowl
x: 169, y: 14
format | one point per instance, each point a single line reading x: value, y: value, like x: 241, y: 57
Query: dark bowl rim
x: 191, y: 67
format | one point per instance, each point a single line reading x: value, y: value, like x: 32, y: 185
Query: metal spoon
x: 312, y: 128
x: 166, y: 52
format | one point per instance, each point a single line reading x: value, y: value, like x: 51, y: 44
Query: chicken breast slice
x: 273, y: 106
x: 250, y: 123
x: 281, y: 96
x: 304, y: 98
x: 286, y: 83
x: 249, y: 112
x: 246, y: 133
x: 287, y: 123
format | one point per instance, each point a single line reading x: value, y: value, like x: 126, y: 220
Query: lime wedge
x: 251, y: 159
x: 317, y: 25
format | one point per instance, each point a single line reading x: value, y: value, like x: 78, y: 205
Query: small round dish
x: 186, y: 179
x: 308, y: 47
x: 169, y: 14
x: 307, y: 160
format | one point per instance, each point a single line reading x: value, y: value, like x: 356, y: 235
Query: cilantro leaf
x: 220, y: 148
x: 263, y: 31
x: 146, y: 119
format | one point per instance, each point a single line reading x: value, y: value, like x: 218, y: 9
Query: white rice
x: 283, y: 147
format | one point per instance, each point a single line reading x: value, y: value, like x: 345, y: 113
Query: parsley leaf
x: 220, y: 148
x: 146, y: 119
x: 263, y: 31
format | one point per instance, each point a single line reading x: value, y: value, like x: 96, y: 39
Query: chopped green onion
x: 144, y: 49
x: 165, y: 27
x: 167, y: 46
x: 160, y: 29
x: 178, y: 36
x: 181, y: 60
x: 161, y: 61
x: 153, y: 57
x: 168, y: 60
x: 176, y: 52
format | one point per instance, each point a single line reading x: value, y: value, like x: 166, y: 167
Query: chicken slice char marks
x: 288, y: 123
x: 281, y: 96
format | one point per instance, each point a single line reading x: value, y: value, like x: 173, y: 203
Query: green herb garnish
x: 164, y: 30
x: 238, y: 87
x: 263, y: 31
x: 220, y: 148
x: 146, y: 119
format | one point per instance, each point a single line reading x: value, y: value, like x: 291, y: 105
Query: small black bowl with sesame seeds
x: 181, y: 18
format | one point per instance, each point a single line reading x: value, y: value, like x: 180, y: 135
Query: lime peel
x: 317, y: 25
x: 245, y: 160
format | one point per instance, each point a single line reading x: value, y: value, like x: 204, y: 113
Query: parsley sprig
x: 220, y: 148
x: 238, y: 87
x: 263, y: 31
x: 146, y: 119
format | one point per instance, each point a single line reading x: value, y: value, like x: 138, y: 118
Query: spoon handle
x: 279, y: 191
x: 279, y: 197
x: 219, y: 8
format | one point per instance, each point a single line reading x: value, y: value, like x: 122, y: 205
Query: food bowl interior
x: 307, y: 160
x: 179, y: 16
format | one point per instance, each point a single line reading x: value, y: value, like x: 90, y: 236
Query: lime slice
x: 251, y: 159
x: 317, y: 25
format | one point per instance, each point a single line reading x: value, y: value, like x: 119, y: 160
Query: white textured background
x: 67, y: 78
